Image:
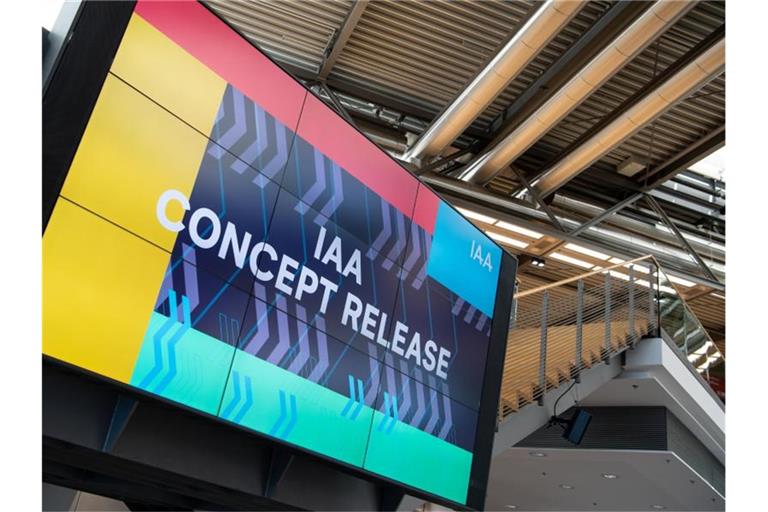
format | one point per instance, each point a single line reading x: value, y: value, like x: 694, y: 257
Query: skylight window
x: 572, y: 261
x: 588, y: 252
x: 518, y: 229
x: 477, y: 216
x: 507, y: 240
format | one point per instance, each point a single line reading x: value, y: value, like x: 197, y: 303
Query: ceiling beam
x: 615, y: 55
x: 341, y: 36
x: 695, y: 255
x: 547, y: 20
x: 538, y: 201
x: 698, y: 67
x: 638, y: 96
x: 703, y: 147
x: 605, y: 29
x: 517, y: 212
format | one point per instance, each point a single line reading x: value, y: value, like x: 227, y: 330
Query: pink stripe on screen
x: 425, y: 212
x: 327, y: 131
x: 212, y: 42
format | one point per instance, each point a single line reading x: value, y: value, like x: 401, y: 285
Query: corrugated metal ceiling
x: 424, y: 52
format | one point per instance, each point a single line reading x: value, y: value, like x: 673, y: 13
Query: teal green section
x: 319, y: 425
x: 197, y: 375
x: 418, y: 459
x: 304, y: 414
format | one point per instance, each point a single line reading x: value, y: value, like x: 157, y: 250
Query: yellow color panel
x: 164, y: 71
x: 100, y: 286
x: 133, y: 151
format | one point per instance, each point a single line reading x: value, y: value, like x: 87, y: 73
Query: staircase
x: 562, y: 329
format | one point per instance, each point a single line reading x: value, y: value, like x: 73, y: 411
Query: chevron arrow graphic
x: 391, y: 417
x: 354, y: 398
x: 235, y: 399
x: 285, y: 415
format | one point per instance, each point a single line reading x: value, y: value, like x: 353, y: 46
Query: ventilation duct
x: 623, y: 49
x: 693, y: 76
x: 532, y: 37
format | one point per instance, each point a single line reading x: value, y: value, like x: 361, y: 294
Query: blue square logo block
x: 464, y: 260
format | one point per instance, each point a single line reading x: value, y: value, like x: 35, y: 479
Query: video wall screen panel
x: 226, y: 241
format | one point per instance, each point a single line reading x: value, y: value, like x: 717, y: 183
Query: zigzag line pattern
x: 164, y: 344
x: 245, y: 129
x: 430, y: 411
x: 467, y: 312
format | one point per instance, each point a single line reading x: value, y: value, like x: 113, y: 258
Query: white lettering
x: 399, y: 338
x: 369, y: 320
x: 238, y: 249
x: 351, y: 314
x: 380, y: 339
x: 442, y: 363
x: 286, y: 273
x: 194, y: 232
x: 353, y: 267
x: 414, y: 349
x: 307, y: 282
x: 333, y: 254
x: 429, y: 355
x: 328, y: 287
x: 162, y: 205
x: 260, y: 247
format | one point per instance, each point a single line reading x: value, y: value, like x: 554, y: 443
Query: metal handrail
x: 560, y: 335
x: 582, y: 276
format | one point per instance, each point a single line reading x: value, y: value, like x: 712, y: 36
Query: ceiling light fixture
x: 572, y: 261
x: 537, y: 454
x: 519, y: 229
x: 507, y: 240
x: 610, y: 476
x: 478, y: 216
x: 658, y: 507
x: 618, y: 275
x: 566, y: 486
x: 588, y: 252
x: 538, y: 262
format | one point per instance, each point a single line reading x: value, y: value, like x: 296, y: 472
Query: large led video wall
x: 226, y: 241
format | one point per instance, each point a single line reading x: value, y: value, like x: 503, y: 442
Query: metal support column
x: 607, y: 316
x: 543, y: 346
x: 336, y: 104
x: 579, y: 327
x: 631, y: 305
x: 537, y: 199
x: 671, y: 225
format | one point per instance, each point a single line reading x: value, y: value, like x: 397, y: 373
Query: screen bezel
x: 68, y: 101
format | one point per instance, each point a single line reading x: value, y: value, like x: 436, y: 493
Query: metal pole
x: 513, y: 311
x: 651, y: 300
x: 631, y: 304
x: 543, y: 346
x: 666, y: 220
x: 537, y: 199
x: 607, y: 316
x: 579, y: 326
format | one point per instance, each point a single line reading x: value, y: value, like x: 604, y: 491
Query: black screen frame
x: 68, y: 101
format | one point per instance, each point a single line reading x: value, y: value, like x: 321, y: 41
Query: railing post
x: 631, y: 305
x: 543, y: 346
x: 579, y: 327
x: 607, y: 316
x: 653, y: 321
